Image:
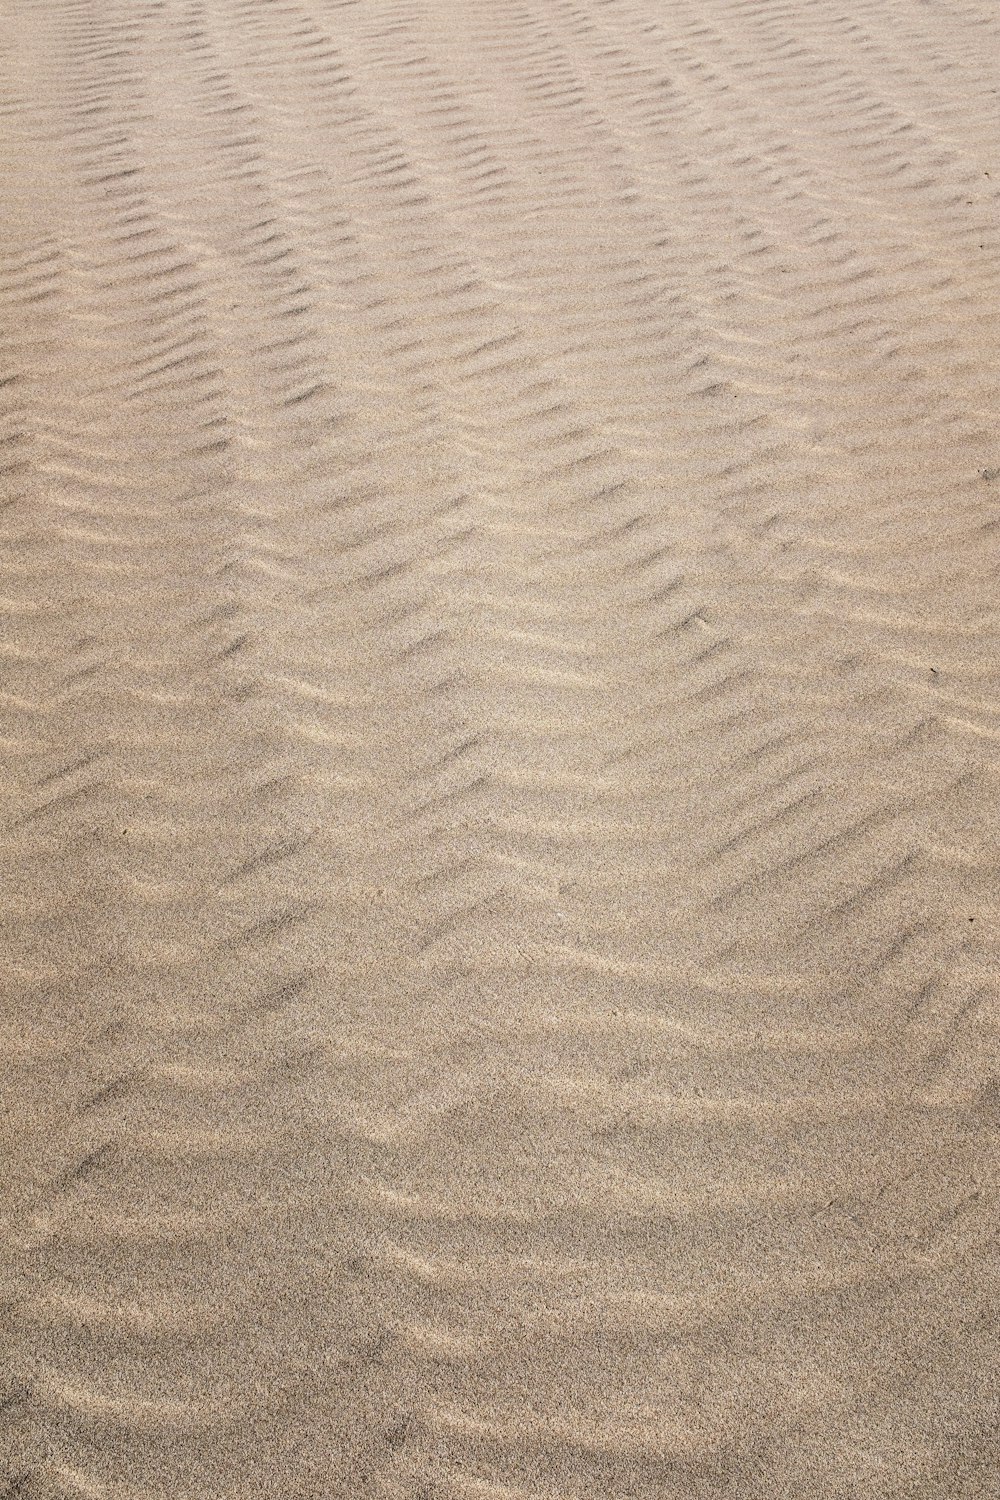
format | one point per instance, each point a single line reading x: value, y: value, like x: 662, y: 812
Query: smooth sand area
x: 499, y: 749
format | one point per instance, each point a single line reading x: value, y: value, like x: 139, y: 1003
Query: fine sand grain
x: 500, y: 749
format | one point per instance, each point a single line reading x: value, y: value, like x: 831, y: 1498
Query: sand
x: 500, y: 749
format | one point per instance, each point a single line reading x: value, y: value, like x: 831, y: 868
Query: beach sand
x: 500, y: 749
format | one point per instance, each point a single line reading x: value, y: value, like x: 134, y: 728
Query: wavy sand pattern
x: 499, y: 749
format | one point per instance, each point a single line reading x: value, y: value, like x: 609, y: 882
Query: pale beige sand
x: 501, y: 730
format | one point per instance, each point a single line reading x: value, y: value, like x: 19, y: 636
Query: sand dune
x: 500, y: 749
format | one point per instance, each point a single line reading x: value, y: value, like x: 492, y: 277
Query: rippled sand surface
x: 499, y: 745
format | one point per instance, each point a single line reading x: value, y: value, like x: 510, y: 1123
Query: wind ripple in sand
x: 500, y: 705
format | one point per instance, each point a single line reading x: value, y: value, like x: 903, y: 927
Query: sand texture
x: 499, y: 749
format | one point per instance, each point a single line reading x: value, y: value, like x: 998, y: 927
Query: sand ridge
x: 499, y: 749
